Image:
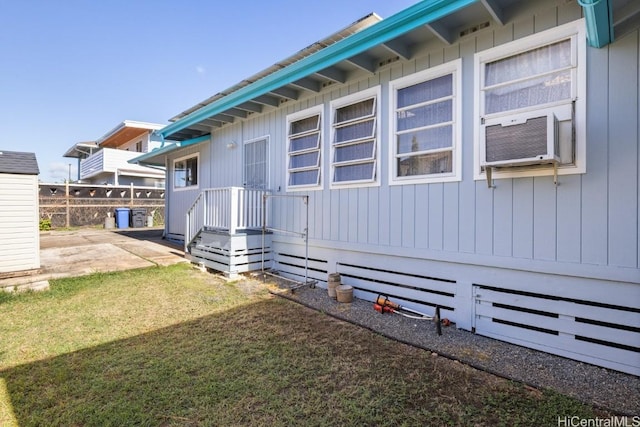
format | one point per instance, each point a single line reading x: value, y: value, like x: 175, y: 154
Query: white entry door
x: 256, y: 166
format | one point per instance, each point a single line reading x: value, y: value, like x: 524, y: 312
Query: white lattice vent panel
x: 603, y: 334
x: 413, y: 290
x: 293, y: 266
x: 231, y: 254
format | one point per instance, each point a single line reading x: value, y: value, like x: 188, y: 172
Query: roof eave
x: 129, y: 124
x: 74, y: 151
x: 419, y: 14
x: 156, y: 157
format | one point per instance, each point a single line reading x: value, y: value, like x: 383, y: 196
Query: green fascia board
x: 598, y: 15
x: 406, y: 20
x: 167, y: 149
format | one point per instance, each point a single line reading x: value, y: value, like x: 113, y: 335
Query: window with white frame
x: 537, y: 82
x: 304, y: 142
x: 425, y: 126
x: 185, y: 172
x: 354, y: 138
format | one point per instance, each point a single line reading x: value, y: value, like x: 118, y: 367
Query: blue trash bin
x: 122, y: 217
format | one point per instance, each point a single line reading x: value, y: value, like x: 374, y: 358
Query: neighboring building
x: 80, y: 151
x: 481, y: 156
x: 19, y: 218
x: 105, y: 161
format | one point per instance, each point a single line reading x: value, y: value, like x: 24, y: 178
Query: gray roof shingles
x: 18, y: 163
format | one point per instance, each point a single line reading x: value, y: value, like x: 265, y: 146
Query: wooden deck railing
x: 227, y: 209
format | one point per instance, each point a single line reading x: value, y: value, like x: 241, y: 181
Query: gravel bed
x: 612, y: 390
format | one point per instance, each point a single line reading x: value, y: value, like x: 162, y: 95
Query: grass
x: 174, y: 346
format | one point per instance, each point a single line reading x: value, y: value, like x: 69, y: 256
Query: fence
x: 77, y: 205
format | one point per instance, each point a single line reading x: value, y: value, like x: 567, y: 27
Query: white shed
x: 19, y: 214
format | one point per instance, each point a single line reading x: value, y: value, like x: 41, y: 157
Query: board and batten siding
x: 19, y: 232
x: 178, y: 202
x: 586, y: 225
x: 586, y: 221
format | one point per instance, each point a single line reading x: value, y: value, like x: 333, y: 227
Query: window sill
x: 354, y: 185
x: 424, y: 180
x: 299, y: 189
x: 529, y: 171
x: 191, y: 187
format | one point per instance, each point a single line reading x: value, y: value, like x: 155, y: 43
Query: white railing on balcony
x: 227, y: 209
x: 112, y: 160
x: 92, y: 165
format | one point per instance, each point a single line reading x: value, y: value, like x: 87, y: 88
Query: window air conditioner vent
x: 520, y: 140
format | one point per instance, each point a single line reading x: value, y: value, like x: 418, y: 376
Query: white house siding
x: 149, y: 143
x: 561, y: 262
x: 588, y: 220
x: 180, y: 201
x: 19, y: 234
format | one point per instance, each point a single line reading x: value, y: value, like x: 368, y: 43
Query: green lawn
x: 174, y: 346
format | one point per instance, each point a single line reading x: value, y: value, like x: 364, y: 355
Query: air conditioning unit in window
x: 518, y: 140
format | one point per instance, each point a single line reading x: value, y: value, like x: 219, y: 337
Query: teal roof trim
x: 414, y: 16
x: 598, y: 15
x: 146, y: 158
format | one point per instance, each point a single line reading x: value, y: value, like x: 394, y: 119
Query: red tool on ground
x: 384, y: 305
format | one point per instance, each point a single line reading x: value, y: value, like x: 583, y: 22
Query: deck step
x: 231, y: 254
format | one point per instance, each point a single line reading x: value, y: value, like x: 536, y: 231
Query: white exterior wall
x: 587, y: 225
x: 131, y: 144
x: 102, y: 167
x: 19, y: 223
x: 178, y: 202
x: 575, y: 243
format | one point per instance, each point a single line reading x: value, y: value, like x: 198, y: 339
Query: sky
x: 72, y: 70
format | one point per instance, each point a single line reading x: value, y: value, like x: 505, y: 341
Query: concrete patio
x: 85, y: 251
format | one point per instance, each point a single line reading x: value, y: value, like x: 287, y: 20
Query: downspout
x: 598, y: 15
x: 156, y: 133
x: 166, y: 197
